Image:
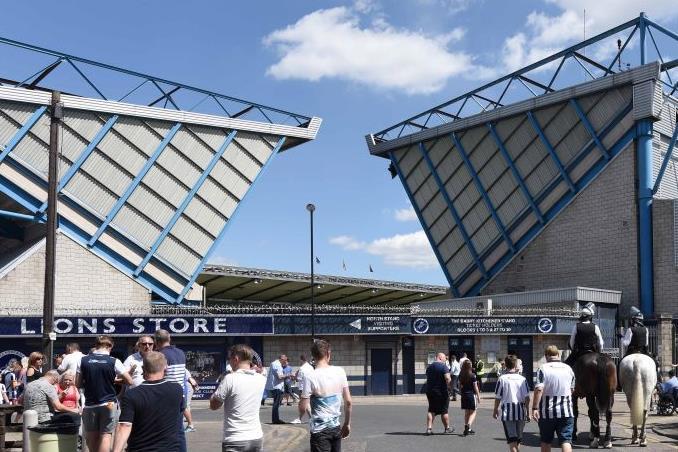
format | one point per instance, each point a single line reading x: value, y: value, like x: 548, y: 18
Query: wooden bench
x: 6, y: 426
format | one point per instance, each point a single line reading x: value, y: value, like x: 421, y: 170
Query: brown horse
x: 596, y: 380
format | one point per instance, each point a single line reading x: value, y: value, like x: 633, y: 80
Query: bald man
x: 438, y: 385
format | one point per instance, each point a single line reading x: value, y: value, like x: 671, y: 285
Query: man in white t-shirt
x: 134, y: 364
x: 511, y: 398
x: 71, y: 359
x: 240, y: 393
x: 455, y: 370
x: 304, y: 369
x: 324, y: 391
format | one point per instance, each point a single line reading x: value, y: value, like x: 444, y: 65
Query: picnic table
x: 6, y: 426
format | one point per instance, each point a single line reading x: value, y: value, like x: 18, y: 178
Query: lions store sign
x: 133, y: 326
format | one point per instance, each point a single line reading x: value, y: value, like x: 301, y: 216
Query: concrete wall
x: 665, y: 270
x: 83, y: 281
x: 593, y: 242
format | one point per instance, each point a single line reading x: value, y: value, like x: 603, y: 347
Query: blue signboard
x: 132, y: 326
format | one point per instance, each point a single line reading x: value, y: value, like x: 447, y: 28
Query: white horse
x: 638, y: 375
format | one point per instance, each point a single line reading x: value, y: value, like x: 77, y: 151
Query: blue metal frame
x: 68, y: 175
x: 589, y: 128
x: 665, y: 162
x: 301, y: 120
x: 462, y: 229
x: 432, y: 242
x: 482, y: 191
x: 493, y: 92
x: 22, y: 132
x: 221, y: 235
x: 516, y: 173
x: 19, y: 216
x: 644, y: 168
x: 552, y: 152
x: 134, y: 184
x: 186, y: 201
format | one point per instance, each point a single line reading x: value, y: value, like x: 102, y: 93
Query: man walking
x: 96, y: 375
x: 455, y: 369
x: 146, y: 422
x: 304, y: 369
x: 134, y: 364
x: 71, y: 358
x: 275, y: 385
x: 175, y: 372
x: 513, y: 396
x: 438, y: 382
x: 239, y: 393
x: 552, y: 403
x: 324, y: 390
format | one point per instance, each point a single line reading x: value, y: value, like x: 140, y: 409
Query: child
x: 512, y: 395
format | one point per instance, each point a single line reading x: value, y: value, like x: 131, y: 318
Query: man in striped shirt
x: 552, y: 403
x: 174, y: 372
x: 512, y: 395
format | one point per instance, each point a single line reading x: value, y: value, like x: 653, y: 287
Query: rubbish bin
x: 59, y: 437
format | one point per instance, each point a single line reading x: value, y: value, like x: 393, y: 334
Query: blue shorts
x: 562, y: 427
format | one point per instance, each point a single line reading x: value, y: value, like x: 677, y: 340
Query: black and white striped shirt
x: 556, y: 380
x: 512, y: 391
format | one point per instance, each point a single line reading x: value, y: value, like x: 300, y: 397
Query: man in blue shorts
x: 438, y: 384
x: 552, y: 403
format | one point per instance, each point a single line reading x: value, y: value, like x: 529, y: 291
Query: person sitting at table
x: 68, y: 393
x: 41, y: 396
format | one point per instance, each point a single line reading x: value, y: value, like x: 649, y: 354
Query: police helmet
x: 636, y: 315
x: 588, y: 311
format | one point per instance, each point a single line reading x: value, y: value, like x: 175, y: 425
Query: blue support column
x: 644, y: 154
x: 642, y: 25
x: 457, y: 219
x: 19, y: 216
x: 483, y: 192
x: 77, y: 164
x: 21, y: 133
x: 589, y: 128
x: 434, y: 247
x: 134, y: 184
x: 516, y: 173
x: 221, y: 235
x: 552, y: 152
x: 186, y: 201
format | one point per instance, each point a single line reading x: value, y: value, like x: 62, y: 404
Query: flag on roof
x: 343, y: 264
x: 317, y: 261
x: 371, y: 271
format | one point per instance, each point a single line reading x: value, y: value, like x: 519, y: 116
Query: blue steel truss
x: 540, y: 78
x: 162, y: 93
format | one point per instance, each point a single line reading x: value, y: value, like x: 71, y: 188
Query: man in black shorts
x: 438, y: 383
x: 148, y: 412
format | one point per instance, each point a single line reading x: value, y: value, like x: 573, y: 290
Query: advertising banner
x: 343, y: 324
x: 486, y: 325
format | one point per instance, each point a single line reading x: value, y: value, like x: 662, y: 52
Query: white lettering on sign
x: 200, y: 325
x: 109, y: 325
x: 138, y: 325
x: 63, y: 330
x: 91, y: 327
x: 157, y: 323
x: 383, y: 324
x: 173, y: 325
x: 24, y: 329
x: 219, y: 325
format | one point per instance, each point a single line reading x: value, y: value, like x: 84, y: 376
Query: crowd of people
x: 140, y: 404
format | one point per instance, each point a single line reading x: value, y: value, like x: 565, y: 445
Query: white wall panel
x: 112, y: 176
x: 255, y: 145
x: 438, y: 149
x: 122, y: 152
x: 212, y: 136
x: 165, y: 185
x: 84, y: 123
x: 217, y: 197
x: 33, y: 152
x: 191, y: 148
x: 176, y: 164
x: 136, y: 226
x: 90, y: 192
x: 178, y: 256
x: 192, y: 237
x: 153, y: 206
x: 207, y: 216
x: 241, y: 160
x: 138, y: 133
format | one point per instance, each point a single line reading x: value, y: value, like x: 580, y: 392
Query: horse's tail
x: 637, y: 402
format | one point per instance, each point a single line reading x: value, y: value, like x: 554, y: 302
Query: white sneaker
x: 296, y: 421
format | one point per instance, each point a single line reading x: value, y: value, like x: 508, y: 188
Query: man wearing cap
x: 586, y: 336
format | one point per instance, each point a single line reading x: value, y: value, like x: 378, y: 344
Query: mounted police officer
x: 636, y: 338
x: 586, y: 336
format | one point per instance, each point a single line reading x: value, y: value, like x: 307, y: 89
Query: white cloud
x: 451, y: 6
x: 401, y: 250
x: 222, y: 260
x: 407, y: 214
x: 333, y: 43
x: 545, y: 34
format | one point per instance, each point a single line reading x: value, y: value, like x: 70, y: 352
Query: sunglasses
x: 148, y: 344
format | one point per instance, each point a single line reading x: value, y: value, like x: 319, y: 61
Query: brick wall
x: 665, y: 271
x: 83, y: 281
x: 593, y: 242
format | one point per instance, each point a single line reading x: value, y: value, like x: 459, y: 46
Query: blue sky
x: 361, y: 66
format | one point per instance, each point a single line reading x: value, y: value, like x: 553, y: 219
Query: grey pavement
x: 398, y: 422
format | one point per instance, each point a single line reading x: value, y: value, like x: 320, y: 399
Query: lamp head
x: 310, y: 207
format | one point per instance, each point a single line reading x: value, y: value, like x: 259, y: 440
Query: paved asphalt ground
x: 398, y: 424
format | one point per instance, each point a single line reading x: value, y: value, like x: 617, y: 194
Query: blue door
x: 381, y: 380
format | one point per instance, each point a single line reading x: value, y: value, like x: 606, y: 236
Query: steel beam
x: 134, y: 184
x: 19, y: 216
x: 552, y: 152
x: 21, y: 133
x: 589, y: 128
x: 665, y: 162
x: 432, y: 242
x: 186, y: 201
x: 482, y: 191
x: 644, y: 155
x: 221, y: 235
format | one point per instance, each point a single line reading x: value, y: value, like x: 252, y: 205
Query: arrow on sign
x: 357, y: 324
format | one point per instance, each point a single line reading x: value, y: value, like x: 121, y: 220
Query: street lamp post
x: 311, y: 209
